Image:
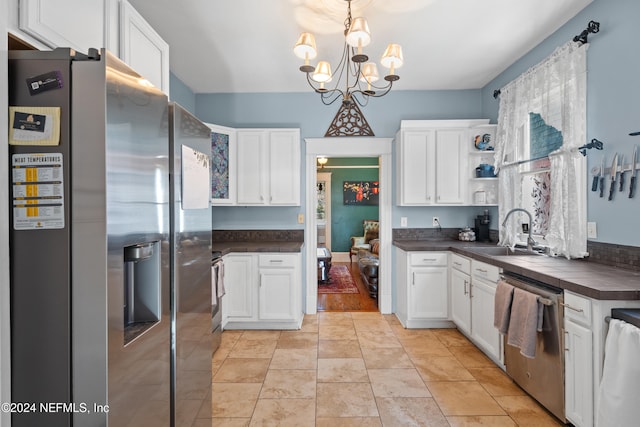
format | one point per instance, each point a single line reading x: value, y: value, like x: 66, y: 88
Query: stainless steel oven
x: 543, y: 376
x: 217, y: 292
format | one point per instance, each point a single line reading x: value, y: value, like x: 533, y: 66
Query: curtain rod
x: 592, y: 27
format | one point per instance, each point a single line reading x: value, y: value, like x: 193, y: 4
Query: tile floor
x: 363, y: 369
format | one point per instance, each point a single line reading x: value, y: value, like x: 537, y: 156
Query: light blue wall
x: 306, y: 111
x: 182, y: 94
x: 613, y: 102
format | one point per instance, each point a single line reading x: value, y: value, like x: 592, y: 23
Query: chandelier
x: 356, y: 77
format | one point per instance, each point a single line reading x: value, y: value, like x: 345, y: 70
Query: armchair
x: 370, y: 229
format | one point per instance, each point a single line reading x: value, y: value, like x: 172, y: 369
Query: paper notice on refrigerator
x: 34, y: 125
x: 38, y: 191
x: 196, y: 191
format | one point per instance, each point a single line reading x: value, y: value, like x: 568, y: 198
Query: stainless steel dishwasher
x: 543, y: 376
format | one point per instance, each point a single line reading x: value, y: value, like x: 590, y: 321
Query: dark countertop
x: 586, y: 278
x: 257, y: 246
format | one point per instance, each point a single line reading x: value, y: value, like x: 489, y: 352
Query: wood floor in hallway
x: 348, y: 302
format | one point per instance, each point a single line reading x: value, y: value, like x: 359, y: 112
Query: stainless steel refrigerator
x: 93, y: 336
x: 191, y: 302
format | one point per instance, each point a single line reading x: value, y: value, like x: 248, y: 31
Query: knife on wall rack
x: 614, y: 172
x: 634, y: 172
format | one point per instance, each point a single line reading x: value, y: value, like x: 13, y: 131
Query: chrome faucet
x: 530, y: 242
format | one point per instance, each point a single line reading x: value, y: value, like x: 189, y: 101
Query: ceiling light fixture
x: 355, y: 76
x: 353, y: 67
x: 322, y: 161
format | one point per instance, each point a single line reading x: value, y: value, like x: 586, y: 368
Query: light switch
x: 592, y: 232
x: 403, y: 221
x: 300, y: 218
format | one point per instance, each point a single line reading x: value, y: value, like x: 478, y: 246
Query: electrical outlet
x: 436, y: 221
x: 592, y: 232
x: 300, y: 218
x: 403, y: 221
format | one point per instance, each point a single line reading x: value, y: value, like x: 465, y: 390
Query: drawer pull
x: 429, y: 259
x: 276, y: 260
x: 457, y: 264
x: 481, y: 270
x: 579, y: 310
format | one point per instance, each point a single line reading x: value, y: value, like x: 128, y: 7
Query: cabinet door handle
x: 579, y: 310
x: 565, y: 341
x: 465, y: 288
x: 413, y: 279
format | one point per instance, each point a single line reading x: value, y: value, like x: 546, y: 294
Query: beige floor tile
x: 378, y: 324
x: 260, y: 335
x: 386, y: 358
x: 392, y: 319
x: 335, y: 319
x: 482, y: 421
x: 242, y: 371
x: 345, y: 400
x: 427, y: 345
x: 298, y: 340
x: 289, y: 384
x: 527, y: 412
x: 330, y: 349
x: 234, y: 400
x: 253, y: 349
x: 230, y: 422
x: 367, y: 315
x: 349, y: 422
x: 397, y: 383
x: 435, y: 368
x: 471, y: 357
x: 378, y: 339
x: 342, y: 371
x: 496, y: 382
x: 452, y: 337
x: 337, y: 332
x: 294, y: 358
x: 464, y: 398
x: 401, y: 332
x: 403, y: 411
x: 309, y: 323
x: 284, y: 413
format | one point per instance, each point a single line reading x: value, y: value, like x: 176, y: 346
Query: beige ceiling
x: 246, y: 45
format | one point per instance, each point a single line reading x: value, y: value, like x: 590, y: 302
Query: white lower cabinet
x: 422, y: 289
x: 578, y: 373
x: 461, y: 293
x: 262, y: 291
x: 484, y: 280
x: 473, y: 289
x: 483, y: 333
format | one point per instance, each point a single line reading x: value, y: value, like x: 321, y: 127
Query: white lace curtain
x: 556, y: 89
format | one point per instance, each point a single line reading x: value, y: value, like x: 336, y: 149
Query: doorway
x: 349, y: 147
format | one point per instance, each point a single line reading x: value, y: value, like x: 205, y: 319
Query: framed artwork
x: 364, y: 193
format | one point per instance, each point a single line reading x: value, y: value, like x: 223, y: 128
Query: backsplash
x: 614, y: 255
x: 257, y: 235
x: 432, y: 233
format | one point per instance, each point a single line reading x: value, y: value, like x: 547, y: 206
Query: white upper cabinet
x: 64, y: 23
x: 142, y: 48
x: 432, y: 162
x: 268, y: 167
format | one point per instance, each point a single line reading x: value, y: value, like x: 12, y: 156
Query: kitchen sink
x: 500, y: 251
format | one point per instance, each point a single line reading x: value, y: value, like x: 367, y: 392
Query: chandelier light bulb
x: 392, y: 59
x: 322, y: 73
x: 305, y: 48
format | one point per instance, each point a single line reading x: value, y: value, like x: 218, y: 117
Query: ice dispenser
x: 142, y: 284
